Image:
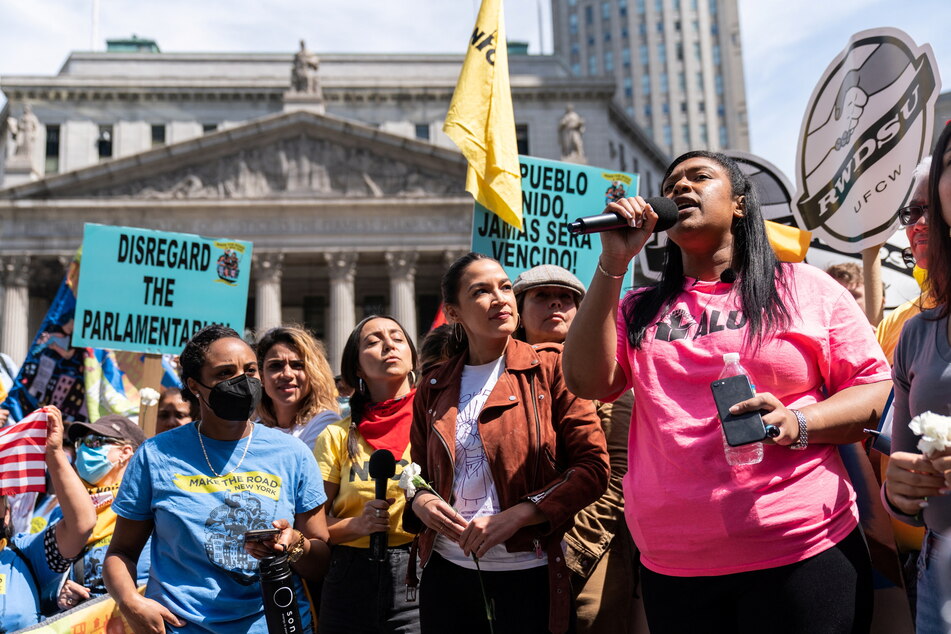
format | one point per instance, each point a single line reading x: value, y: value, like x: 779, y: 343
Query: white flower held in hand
x: 935, y: 432
x: 148, y: 396
x: 410, y: 480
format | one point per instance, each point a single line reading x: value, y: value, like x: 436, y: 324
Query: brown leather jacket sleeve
x: 582, y: 455
x: 418, y: 439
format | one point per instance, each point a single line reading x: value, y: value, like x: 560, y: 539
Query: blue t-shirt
x: 19, y: 595
x: 200, y: 570
x: 94, y: 556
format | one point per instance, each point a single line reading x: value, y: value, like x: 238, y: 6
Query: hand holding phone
x: 261, y: 534
x: 739, y: 429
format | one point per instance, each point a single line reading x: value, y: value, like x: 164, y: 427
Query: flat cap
x: 548, y: 275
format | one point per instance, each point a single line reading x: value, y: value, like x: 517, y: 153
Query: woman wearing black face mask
x: 199, y: 488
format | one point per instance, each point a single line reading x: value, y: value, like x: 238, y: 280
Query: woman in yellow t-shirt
x: 360, y: 595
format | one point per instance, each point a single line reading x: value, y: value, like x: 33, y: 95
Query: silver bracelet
x: 611, y: 275
x: 803, y: 441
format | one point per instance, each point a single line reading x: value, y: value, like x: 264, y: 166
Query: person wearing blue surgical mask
x: 103, y: 450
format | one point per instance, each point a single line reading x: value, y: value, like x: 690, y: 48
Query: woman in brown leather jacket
x: 497, y: 434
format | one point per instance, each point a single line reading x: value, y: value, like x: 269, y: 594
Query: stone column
x: 14, y: 333
x: 267, y: 269
x: 403, y: 288
x: 342, y: 267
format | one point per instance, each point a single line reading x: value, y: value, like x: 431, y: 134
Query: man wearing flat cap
x: 599, y: 551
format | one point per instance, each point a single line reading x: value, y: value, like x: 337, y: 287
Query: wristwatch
x: 297, y: 550
x: 803, y: 441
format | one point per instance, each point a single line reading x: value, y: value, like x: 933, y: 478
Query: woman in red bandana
x: 359, y: 595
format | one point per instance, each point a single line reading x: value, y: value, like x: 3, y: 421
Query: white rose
x: 148, y: 396
x: 934, y: 430
x: 407, y: 478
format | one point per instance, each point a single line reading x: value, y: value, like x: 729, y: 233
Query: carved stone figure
x: 24, y: 132
x: 570, y: 130
x: 295, y: 167
x: 304, y: 73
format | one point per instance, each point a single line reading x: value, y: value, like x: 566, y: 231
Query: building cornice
x: 208, y: 147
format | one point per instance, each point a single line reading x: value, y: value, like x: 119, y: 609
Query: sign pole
x: 152, y: 378
x: 872, y: 272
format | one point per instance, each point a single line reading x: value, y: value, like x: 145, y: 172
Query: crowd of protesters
x: 564, y: 461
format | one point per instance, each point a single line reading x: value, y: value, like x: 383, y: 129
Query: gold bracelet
x: 297, y: 551
x: 611, y: 275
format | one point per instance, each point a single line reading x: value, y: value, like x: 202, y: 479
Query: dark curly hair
x: 193, y: 355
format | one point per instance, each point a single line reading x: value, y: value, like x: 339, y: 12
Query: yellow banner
x: 234, y: 246
x: 96, y: 616
x: 258, y: 482
x: 624, y: 178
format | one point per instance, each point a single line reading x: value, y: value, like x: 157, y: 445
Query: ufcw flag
x: 481, y: 122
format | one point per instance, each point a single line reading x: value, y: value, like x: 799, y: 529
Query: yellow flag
x: 789, y: 243
x: 480, y: 120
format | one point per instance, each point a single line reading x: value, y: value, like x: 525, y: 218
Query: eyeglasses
x: 94, y: 441
x: 907, y: 216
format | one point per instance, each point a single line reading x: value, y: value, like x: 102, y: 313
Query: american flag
x: 23, y: 455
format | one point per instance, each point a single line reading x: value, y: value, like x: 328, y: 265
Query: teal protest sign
x: 150, y: 291
x: 553, y: 194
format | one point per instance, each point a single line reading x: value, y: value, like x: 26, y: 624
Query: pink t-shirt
x: 690, y: 513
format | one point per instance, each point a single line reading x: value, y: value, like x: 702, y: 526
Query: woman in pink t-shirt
x: 772, y: 546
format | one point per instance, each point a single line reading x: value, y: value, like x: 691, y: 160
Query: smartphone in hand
x: 261, y: 534
x: 741, y: 429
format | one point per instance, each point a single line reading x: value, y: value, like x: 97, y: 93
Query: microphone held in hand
x: 382, y: 468
x: 665, y: 209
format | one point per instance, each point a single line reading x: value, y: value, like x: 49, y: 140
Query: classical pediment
x: 291, y: 155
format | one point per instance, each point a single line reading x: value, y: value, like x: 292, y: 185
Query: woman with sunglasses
x: 31, y: 562
x: 916, y: 484
x: 103, y: 451
x: 197, y: 489
x: 300, y: 397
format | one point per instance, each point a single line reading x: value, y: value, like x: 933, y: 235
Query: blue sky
x: 786, y: 44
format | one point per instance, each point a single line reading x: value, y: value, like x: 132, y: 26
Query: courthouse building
x: 335, y: 168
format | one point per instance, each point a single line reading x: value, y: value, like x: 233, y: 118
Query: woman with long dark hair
x: 768, y: 546
x: 197, y: 489
x: 511, y: 456
x: 361, y: 595
x: 914, y: 483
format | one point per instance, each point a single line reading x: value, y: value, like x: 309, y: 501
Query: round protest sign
x: 867, y: 125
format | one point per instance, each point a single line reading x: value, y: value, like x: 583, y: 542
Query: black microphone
x: 382, y: 468
x: 665, y: 208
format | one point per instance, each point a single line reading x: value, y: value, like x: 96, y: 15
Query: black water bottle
x: 280, y: 599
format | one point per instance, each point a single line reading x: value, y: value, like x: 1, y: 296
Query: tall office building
x: 678, y: 65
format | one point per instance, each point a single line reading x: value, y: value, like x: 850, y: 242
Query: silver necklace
x: 202, y: 444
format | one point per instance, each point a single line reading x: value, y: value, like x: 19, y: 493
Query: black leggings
x: 830, y: 593
x: 450, y: 599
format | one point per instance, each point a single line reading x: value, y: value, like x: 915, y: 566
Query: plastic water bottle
x: 744, y: 454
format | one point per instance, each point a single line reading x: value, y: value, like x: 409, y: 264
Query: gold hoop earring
x: 457, y: 332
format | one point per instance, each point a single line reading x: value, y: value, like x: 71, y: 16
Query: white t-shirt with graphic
x: 474, y: 493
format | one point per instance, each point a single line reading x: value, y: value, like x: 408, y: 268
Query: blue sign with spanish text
x: 150, y: 291
x: 553, y: 194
